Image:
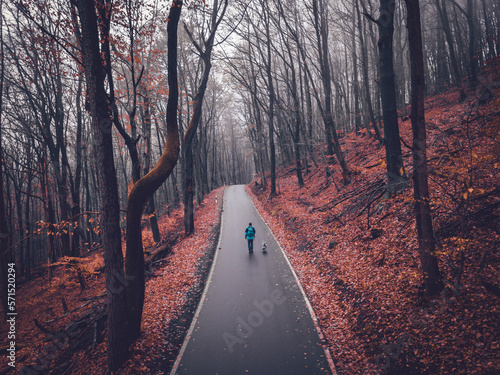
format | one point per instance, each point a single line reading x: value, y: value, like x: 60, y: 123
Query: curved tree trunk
x: 144, y: 188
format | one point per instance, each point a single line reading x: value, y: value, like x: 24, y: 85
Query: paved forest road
x: 254, y: 319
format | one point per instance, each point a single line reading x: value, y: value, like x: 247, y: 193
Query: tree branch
x: 371, y: 18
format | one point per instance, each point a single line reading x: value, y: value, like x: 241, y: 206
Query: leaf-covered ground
x: 69, y: 337
x: 356, y: 253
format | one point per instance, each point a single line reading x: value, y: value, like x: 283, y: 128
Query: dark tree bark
x: 357, y: 114
x: 270, y: 88
x: 293, y: 90
x: 27, y: 217
x: 308, y: 119
x: 489, y: 31
x: 61, y: 166
x: 261, y: 150
x: 298, y: 122
x: 366, y: 81
x: 333, y: 145
x: 472, y: 42
x: 443, y: 14
x: 17, y: 182
x: 144, y: 189
x: 117, y: 343
x: 442, y: 71
x: 430, y: 269
x: 48, y: 208
x: 75, y: 190
x: 395, y: 172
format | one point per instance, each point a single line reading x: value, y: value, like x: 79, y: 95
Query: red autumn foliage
x: 356, y: 254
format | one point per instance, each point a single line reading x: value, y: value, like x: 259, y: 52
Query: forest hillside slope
x: 356, y: 253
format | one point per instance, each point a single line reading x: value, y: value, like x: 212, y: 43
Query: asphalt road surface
x: 253, y: 318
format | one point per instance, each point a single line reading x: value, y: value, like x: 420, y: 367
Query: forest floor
x: 356, y: 252
x: 60, y: 327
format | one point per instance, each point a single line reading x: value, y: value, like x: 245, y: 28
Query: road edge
x: 314, y: 318
x: 177, y: 362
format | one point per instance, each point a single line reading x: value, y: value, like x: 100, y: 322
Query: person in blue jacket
x: 249, y: 236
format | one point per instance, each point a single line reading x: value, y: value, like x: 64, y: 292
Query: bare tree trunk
x: 261, y: 149
x: 357, y: 114
x: 472, y: 42
x: 48, y: 209
x: 19, y: 258
x: 489, y: 31
x: 366, y: 80
x: 430, y: 269
x: 61, y: 167
x: 443, y: 14
x: 333, y: 145
x: 270, y: 88
x: 298, y: 125
x: 205, y: 52
x: 294, y: 91
x: 75, y: 210
x: 117, y: 343
x: 395, y: 173
x: 27, y: 217
x: 309, y: 118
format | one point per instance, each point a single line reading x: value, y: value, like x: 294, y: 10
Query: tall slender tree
x: 205, y: 52
x: 425, y: 234
x: 320, y: 12
x: 100, y: 112
x: 443, y: 14
x: 394, y: 160
x: 270, y: 88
